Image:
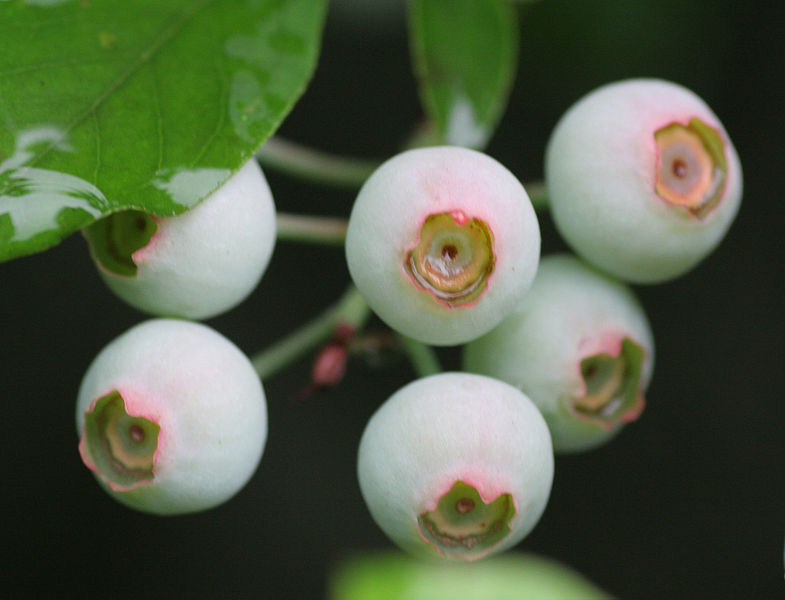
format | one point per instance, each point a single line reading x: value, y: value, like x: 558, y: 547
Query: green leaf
x: 465, y: 56
x: 138, y: 104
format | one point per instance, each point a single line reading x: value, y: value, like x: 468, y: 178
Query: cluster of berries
x: 444, y: 245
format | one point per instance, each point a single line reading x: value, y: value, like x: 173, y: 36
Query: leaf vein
x: 57, y: 64
x: 221, y: 115
x: 97, y: 148
x: 144, y: 58
x: 159, y: 119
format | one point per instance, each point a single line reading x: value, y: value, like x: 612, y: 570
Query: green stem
x: 538, y: 194
x: 422, y: 357
x: 350, y: 309
x: 312, y: 230
x: 314, y: 165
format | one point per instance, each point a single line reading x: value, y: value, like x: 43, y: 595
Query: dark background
x: 688, y: 502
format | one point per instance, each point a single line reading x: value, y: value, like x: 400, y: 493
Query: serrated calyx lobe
x: 463, y: 525
x: 612, y: 385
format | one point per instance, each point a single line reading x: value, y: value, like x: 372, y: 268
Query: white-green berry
x: 194, y: 265
x: 579, y: 345
x: 172, y: 417
x: 456, y: 466
x: 643, y: 179
x: 442, y: 241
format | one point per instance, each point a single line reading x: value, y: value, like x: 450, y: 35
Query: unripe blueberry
x: 579, y: 345
x: 194, y: 265
x: 442, y: 241
x: 456, y: 466
x: 510, y: 577
x: 642, y: 178
x: 172, y: 417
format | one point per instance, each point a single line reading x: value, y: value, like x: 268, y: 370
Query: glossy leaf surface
x: 465, y: 56
x: 139, y: 104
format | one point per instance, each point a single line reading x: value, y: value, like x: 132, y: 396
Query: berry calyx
x: 463, y: 522
x: 119, y: 447
x: 115, y: 239
x: 453, y: 258
x: 691, y: 167
x: 612, y: 384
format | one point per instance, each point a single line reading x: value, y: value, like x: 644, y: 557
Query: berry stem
x: 538, y: 194
x: 309, y: 229
x: 350, y: 309
x: 421, y: 356
x: 314, y: 165
x: 349, y: 172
